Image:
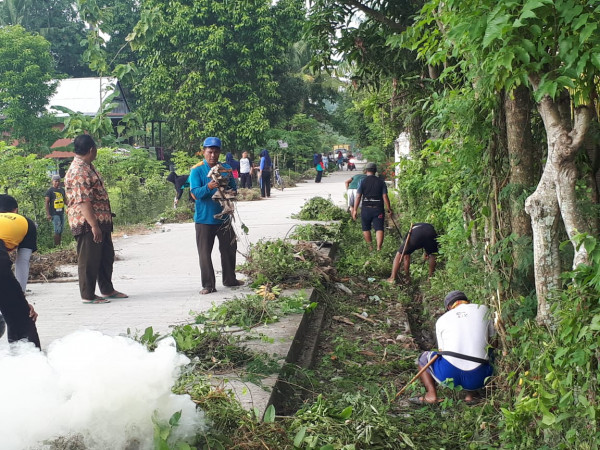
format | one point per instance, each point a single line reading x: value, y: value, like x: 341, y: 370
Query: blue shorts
x: 58, y: 222
x: 442, y: 371
x: 371, y: 217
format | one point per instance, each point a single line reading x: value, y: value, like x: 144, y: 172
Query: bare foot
x: 391, y: 280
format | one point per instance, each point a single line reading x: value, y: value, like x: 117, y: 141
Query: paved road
x: 160, y: 272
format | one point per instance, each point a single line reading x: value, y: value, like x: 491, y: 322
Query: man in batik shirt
x: 90, y: 219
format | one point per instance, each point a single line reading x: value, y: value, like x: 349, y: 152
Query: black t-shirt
x: 372, y: 189
x: 57, y: 201
x: 30, y: 239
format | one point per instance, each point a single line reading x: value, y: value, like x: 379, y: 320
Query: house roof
x: 60, y: 155
x: 63, y: 142
x: 86, y: 95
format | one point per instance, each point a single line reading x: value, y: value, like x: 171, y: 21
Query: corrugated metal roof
x: 85, y: 95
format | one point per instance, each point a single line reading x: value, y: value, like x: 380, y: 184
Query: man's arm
x: 48, y: 216
x: 200, y: 187
x: 356, y: 203
x: 386, y: 200
x: 88, y: 212
x: 347, y: 182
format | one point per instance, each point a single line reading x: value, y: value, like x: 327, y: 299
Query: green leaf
x: 587, y: 31
x: 346, y: 413
x: 548, y: 419
x: 269, y: 415
x: 595, y: 58
x: 299, y: 437
x: 494, y: 28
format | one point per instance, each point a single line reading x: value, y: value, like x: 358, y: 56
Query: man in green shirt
x: 352, y: 186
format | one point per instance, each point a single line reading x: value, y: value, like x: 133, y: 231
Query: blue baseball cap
x: 212, y: 142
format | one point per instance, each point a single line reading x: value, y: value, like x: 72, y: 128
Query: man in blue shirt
x: 208, y: 227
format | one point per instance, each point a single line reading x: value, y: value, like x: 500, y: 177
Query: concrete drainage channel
x: 294, y: 339
x: 284, y: 397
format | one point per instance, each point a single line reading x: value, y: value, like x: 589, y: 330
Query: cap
x: 212, y: 142
x: 454, y: 296
x: 371, y: 167
x: 55, y: 177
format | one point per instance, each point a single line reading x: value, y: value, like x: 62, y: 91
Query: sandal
x: 421, y: 401
x: 96, y: 301
x: 207, y: 291
x: 116, y: 294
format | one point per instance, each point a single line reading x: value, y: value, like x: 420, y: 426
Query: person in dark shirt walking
x: 55, y: 208
x: 373, y: 193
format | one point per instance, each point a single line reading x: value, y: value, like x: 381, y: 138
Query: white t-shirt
x: 244, y: 165
x: 465, y: 329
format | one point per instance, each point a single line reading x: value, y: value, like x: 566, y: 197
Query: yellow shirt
x: 13, y: 228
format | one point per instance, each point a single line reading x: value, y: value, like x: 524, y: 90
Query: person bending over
x: 19, y: 315
x: 421, y: 235
x: 464, y: 334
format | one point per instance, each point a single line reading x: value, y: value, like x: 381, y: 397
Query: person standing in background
x: 373, y: 193
x: 55, y: 208
x: 246, y: 171
x: 264, y: 174
x: 319, y: 167
x: 234, y: 164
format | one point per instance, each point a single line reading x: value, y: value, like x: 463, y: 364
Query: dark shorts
x: 372, y: 218
x: 423, y: 236
x: 442, y: 371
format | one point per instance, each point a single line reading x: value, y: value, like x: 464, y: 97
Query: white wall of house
x: 401, y: 150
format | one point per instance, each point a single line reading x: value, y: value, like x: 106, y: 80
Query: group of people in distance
x: 464, y: 332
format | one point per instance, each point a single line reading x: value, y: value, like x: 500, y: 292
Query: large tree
x: 26, y: 83
x: 59, y: 22
x: 551, y: 47
x: 208, y: 67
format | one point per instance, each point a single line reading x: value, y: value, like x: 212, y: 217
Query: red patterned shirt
x: 84, y: 184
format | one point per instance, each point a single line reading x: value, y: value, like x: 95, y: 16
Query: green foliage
x: 555, y: 386
x: 137, y: 188
x: 163, y: 439
x: 317, y: 232
x: 251, y: 310
x: 279, y: 262
x: 319, y: 208
x: 183, y: 162
x: 201, y: 86
x: 356, y: 259
x: 27, y: 80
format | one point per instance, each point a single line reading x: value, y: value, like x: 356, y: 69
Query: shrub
x: 319, y: 208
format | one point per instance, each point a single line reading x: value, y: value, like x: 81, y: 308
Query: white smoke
x: 104, y: 389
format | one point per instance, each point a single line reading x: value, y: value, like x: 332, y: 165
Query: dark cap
x: 371, y: 167
x: 453, y: 297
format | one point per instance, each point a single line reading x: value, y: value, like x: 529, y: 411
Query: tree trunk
x: 520, y: 152
x: 556, y: 193
x: 542, y: 207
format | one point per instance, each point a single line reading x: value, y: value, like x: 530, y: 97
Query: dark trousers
x: 319, y: 176
x: 246, y: 180
x: 265, y: 185
x: 95, y: 264
x: 205, y: 240
x: 13, y: 305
